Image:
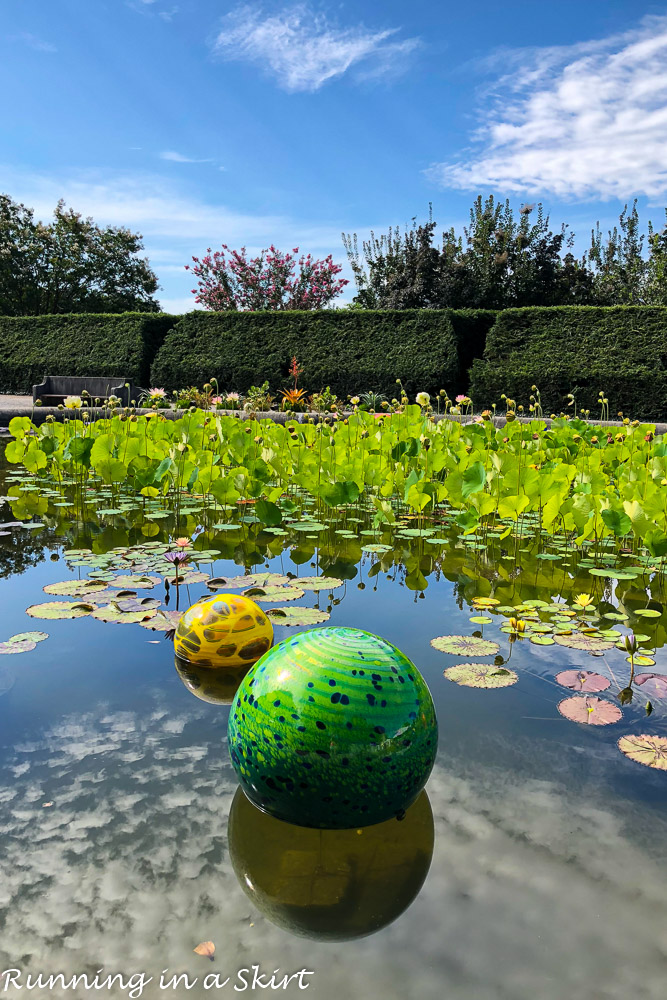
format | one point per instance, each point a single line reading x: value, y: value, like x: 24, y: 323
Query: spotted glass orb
x: 331, y: 885
x: 223, y: 631
x: 333, y: 728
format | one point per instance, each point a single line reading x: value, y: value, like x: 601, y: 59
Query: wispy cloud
x: 38, y: 44
x: 580, y: 121
x: 179, y: 158
x: 303, y: 49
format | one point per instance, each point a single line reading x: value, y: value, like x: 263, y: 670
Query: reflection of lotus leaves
x: 223, y: 631
x: 216, y: 686
x: 334, y: 727
x: 330, y: 884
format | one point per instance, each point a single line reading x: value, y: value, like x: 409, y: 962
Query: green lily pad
x: 376, y: 547
x: 30, y: 636
x: 132, y: 604
x: 587, y: 643
x: 297, y: 616
x: 318, y: 582
x: 231, y: 582
x: 110, y: 613
x: 481, y: 620
x: 648, y: 613
x: 267, y: 595
x: 541, y: 640
x: 136, y: 582
x: 460, y: 645
x: 481, y: 675
x: 164, y: 621
x: 75, y: 588
x: 614, y: 574
x: 60, y: 609
x: 651, y: 751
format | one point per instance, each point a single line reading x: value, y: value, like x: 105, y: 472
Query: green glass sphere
x: 333, y: 728
x: 331, y: 885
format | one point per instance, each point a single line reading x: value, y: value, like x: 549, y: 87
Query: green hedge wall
x: 351, y: 351
x: 84, y: 344
x: 621, y: 350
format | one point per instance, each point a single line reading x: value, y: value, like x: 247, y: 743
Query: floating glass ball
x: 333, y: 728
x: 223, y: 631
x: 332, y: 885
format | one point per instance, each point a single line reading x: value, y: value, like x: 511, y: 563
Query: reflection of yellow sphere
x: 216, y: 686
x: 223, y: 631
x: 333, y: 885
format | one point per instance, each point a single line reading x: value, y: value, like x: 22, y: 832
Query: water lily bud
x: 38, y: 402
x: 536, y: 436
x: 533, y: 388
x: 576, y: 438
x: 509, y: 417
x: 594, y: 440
x: 648, y: 436
x: 610, y: 439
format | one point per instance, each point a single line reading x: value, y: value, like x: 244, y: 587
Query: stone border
x: 39, y: 414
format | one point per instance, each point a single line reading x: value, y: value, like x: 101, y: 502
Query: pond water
x: 533, y: 866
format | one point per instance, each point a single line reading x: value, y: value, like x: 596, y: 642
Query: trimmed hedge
x: 351, y: 351
x: 621, y: 350
x: 82, y: 344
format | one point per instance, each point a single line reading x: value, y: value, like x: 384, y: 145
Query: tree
x: 498, y: 262
x: 271, y: 281
x: 70, y: 265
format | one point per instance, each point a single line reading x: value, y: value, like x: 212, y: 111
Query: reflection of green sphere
x: 216, y: 686
x: 330, y: 884
x: 333, y: 728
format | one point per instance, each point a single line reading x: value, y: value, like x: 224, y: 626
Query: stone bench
x: 54, y: 388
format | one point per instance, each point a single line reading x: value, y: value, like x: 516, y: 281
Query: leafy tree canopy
x: 70, y: 265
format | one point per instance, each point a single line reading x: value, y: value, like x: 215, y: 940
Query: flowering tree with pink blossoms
x: 228, y: 279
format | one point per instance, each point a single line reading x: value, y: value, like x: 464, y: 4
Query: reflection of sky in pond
x: 547, y: 879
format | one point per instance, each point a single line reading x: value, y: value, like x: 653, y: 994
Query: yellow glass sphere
x: 223, y: 631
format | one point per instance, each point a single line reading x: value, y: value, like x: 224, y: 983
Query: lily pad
x: 656, y: 684
x: 31, y: 636
x: 75, y: 588
x: 614, y: 574
x: 590, y: 711
x: 648, y: 613
x: 23, y: 646
x: 267, y: 595
x: 186, y: 577
x: 587, y: 643
x: 376, y: 547
x: 541, y: 640
x: 60, y: 609
x: 481, y: 675
x: 231, y: 582
x: 582, y: 680
x: 110, y: 613
x: 132, y: 604
x: 462, y: 645
x: 297, y: 616
x: 318, y: 582
x: 164, y: 621
x: 136, y: 582
x: 481, y: 620
x: 651, y: 751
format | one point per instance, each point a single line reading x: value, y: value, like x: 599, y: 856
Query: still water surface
x: 544, y: 847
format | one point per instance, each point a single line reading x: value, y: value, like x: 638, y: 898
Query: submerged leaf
x: 481, y: 675
x: 590, y: 710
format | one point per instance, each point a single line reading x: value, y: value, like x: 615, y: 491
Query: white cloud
x: 580, y: 121
x: 179, y: 158
x: 303, y: 49
x: 35, y: 43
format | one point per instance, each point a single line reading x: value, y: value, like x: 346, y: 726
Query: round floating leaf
x: 110, y: 613
x: 582, y: 680
x: 269, y: 579
x: 481, y: 675
x: 12, y: 646
x: 541, y: 640
x: 136, y: 605
x: 615, y: 616
x: 75, y: 588
x: 648, y: 613
x: 187, y: 577
x: 60, y: 609
x: 231, y: 582
x: 318, y: 582
x: 376, y: 547
x: 587, y: 643
x: 614, y: 574
x: 297, y: 616
x: 656, y: 684
x: 535, y: 604
x: 641, y: 660
x: 462, y: 645
x: 481, y: 620
x: 164, y: 621
x: 651, y: 751
x: 267, y: 595
x: 136, y: 582
x: 30, y: 636
x: 590, y: 710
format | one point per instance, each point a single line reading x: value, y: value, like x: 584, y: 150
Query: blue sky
x: 201, y: 122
